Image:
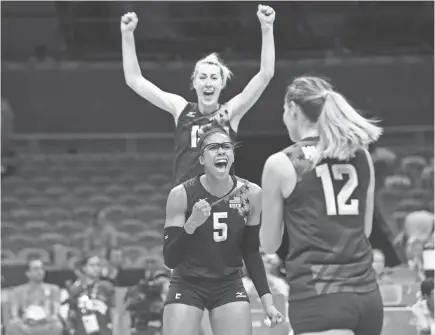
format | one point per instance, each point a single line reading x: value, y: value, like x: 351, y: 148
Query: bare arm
x: 176, y: 207
x: 370, y: 201
x: 171, y: 103
x: 243, y: 102
x: 278, y: 181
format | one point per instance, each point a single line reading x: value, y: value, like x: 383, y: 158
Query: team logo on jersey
x: 191, y: 114
x: 235, y: 203
x: 240, y: 295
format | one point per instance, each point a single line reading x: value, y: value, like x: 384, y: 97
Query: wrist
x: 266, y: 29
x: 267, y: 300
x: 128, y: 34
x: 189, y: 228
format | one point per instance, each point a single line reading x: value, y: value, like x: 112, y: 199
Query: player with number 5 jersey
x: 209, y: 78
x: 212, y: 225
x: 322, y: 190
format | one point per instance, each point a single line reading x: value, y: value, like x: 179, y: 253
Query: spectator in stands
x: 379, y: 265
x: 7, y: 131
x: 100, y: 237
x: 35, y: 305
x: 91, y: 301
x: 423, y: 310
x: 384, y: 162
x: 145, y: 300
x: 418, y: 229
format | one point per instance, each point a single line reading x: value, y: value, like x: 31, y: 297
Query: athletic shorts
x: 363, y: 313
x: 206, y: 294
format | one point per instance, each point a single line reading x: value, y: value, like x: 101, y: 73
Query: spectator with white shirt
x: 423, y: 310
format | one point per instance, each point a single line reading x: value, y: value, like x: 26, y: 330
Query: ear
x: 201, y: 160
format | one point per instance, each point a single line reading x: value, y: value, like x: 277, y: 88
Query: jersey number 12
x: 341, y: 203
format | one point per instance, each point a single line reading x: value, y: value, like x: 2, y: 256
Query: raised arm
x: 242, y: 103
x: 169, y: 102
x: 278, y: 182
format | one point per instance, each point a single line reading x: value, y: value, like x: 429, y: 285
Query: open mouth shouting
x: 221, y: 164
x: 208, y: 92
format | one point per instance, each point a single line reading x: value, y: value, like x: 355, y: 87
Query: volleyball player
x: 322, y: 190
x: 212, y: 224
x: 209, y: 78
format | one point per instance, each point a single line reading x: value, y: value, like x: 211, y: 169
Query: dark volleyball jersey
x: 325, y: 217
x: 190, y: 121
x: 91, y: 307
x: 214, y: 252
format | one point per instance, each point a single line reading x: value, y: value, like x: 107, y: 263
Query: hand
x: 129, y: 22
x: 266, y: 16
x: 200, y: 213
x: 275, y: 317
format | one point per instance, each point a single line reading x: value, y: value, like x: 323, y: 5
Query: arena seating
x: 54, y: 198
x: 408, y: 188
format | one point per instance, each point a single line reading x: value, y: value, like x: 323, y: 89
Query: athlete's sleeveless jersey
x: 214, y: 252
x: 190, y: 121
x: 324, y: 217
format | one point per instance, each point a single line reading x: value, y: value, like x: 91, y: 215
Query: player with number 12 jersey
x: 322, y: 190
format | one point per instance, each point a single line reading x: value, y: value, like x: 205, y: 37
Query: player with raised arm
x: 322, y: 190
x: 209, y: 78
x: 212, y: 224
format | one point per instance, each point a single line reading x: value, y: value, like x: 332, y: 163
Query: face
x: 208, y: 83
x: 36, y: 271
x: 291, y: 121
x: 378, y: 262
x: 218, y: 155
x: 92, y: 268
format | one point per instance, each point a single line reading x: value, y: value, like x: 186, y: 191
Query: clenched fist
x: 200, y: 212
x: 129, y: 22
x: 266, y: 16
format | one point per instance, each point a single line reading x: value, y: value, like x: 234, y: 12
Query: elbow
x: 267, y: 74
x: 269, y: 248
x: 131, y: 80
x: 267, y: 245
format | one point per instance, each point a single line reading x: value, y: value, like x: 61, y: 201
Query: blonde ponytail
x: 342, y: 131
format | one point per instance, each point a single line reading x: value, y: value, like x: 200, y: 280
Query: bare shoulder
x: 254, y: 190
x: 177, y: 198
x: 277, y: 162
x: 278, y: 166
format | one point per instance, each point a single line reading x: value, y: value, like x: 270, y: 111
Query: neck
x: 207, y: 109
x: 90, y: 280
x: 217, y: 187
x: 308, y: 132
x: 35, y: 283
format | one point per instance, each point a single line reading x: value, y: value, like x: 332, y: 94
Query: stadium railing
x: 400, y: 138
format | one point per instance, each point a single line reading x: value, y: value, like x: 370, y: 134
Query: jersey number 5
x: 220, y: 229
x: 342, y: 203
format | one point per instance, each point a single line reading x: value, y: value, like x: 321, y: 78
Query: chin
x: 209, y: 102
